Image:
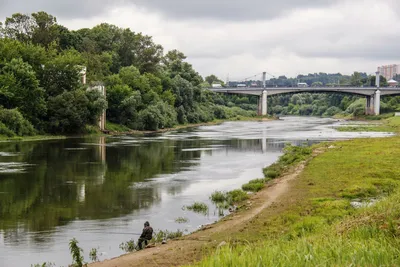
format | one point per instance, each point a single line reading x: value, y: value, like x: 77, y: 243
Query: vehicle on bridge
x: 216, y: 85
x: 242, y: 85
x: 302, y: 85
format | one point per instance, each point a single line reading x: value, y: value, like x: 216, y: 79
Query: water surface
x: 101, y: 190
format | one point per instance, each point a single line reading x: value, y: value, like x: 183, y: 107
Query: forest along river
x: 101, y: 190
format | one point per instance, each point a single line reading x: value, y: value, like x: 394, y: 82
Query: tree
x: 211, y: 79
x: 45, y: 30
x: 68, y: 112
x: 62, y: 73
x: 20, y: 89
x: 148, y: 55
x: 97, y: 103
x: 19, y: 27
x: 356, y: 79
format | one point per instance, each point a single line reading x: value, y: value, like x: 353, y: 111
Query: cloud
x: 280, y: 37
x: 61, y: 9
x: 229, y: 10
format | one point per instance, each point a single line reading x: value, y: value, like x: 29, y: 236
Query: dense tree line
x: 40, y: 70
x: 326, y: 104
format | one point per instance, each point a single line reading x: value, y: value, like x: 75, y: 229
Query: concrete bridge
x: 372, y: 94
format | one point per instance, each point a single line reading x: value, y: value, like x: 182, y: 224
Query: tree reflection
x: 92, y: 179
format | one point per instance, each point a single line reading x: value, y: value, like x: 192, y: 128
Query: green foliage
x: 166, y: 235
x: 218, y: 197
x: 93, y: 255
x: 13, y: 123
x: 44, y: 264
x: 128, y: 246
x: 291, y: 156
x: 198, y: 207
x: 181, y: 220
x: 357, y: 108
x: 69, y: 112
x: 254, y: 185
x: 75, y: 250
x: 19, y: 88
x: 236, y: 196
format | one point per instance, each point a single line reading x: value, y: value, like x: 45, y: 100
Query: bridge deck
x: 366, y: 91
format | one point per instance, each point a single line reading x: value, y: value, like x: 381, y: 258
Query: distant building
x: 392, y: 83
x: 389, y: 71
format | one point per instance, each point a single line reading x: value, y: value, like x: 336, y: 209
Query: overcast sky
x: 245, y: 37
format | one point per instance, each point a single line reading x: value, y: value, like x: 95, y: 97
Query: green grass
x: 254, y: 185
x: 292, y: 155
x: 166, y: 235
x: 181, y: 220
x: 31, y: 138
x: 113, y: 127
x: 386, y: 124
x: 218, y: 197
x: 198, y: 207
x: 315, y: 224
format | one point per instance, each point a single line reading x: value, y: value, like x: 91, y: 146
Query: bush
x: 272, y: 174
x: 236, y: 196
x: 253, y: 187
x: 13, y: 123
x: 158, y: 116
x: 218, y: 197
x: 198, y: 207
x: 69, y: 112
x: 5, y: 131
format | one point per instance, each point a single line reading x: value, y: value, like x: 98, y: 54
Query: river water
x: 101, y: 190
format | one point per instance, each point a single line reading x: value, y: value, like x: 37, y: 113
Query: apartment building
x: 389, y: 71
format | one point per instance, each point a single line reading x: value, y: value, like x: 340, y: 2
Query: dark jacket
x: 147, y: 233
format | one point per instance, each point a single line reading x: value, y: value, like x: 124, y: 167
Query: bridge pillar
x: 264, y: 78
x: 377, y: 79
x: 264, y: 103
x: 369, y: 107
x: 377, y: 104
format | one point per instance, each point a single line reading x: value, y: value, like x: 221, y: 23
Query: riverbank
x: 114, y: 129
x: 31, y: 138
x: 316, y: 219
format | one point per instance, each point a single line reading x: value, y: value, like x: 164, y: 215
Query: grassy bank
x: 391, y: 124
x: 116, y: 129
x: 318, y: 222
x: 31, y: 138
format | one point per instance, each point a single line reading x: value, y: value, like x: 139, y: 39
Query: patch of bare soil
x: 191, y: 248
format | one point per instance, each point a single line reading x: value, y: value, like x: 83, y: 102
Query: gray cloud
x: 62, y: 9
x: 231, y: 10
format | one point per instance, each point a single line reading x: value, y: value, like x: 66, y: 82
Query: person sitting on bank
x: 146, y: 235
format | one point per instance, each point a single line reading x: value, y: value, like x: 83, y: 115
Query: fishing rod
x: 112, y: 233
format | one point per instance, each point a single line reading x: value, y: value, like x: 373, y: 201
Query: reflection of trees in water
x: 86, y: 184
x: 98, y: 182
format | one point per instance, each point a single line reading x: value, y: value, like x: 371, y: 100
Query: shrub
x: 198, y: 207
x: 218, y: 197
x: 165, y: 235
x: 13, y: 120
x: 128, y: 246
x: 5, y: 131
x: 253, y: 187
x: 236, y: 196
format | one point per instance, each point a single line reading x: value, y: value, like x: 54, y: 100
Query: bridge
x: 372, y: 94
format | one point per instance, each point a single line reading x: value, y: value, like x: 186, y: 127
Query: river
x: 101, y: 190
